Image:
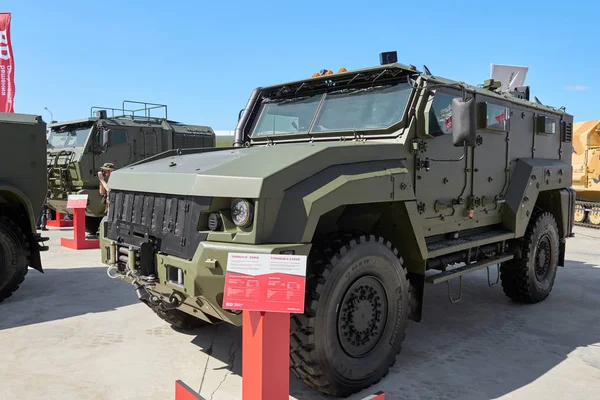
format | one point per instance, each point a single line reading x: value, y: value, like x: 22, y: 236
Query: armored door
x: 490, y: 159
x: 119, y: 149
x: 147, y: 142
x: 442, y: 171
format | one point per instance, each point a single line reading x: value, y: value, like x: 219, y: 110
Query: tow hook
x: 174, y: 302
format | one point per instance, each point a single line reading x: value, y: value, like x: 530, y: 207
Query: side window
x: 440, y: 115
x: 546, y: 125
x: 497, y: 117
x: 117, y: 137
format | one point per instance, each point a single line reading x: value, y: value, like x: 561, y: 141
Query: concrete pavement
x: 73, y: 333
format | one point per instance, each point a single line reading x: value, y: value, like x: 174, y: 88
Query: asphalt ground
x: 73, y: 333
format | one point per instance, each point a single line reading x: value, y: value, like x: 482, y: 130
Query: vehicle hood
x: 251, y: 172
x: 51, y: 153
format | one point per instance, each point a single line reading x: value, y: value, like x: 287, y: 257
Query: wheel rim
x: 579, y: 215
x: 542, y: 258
x: 594, y: 215
x: 362, y: 316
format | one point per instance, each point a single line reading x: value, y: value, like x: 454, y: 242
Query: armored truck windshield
x: 376, y: 107
x: 69, y: 136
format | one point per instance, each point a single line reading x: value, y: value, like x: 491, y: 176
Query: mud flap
x: 561, y: 252
x: 417, y: 284
x: 35, y: 249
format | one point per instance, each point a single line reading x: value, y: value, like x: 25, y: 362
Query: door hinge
x: 421, y: 207
x: 479, y: 140
x: 182, y: 242
x: 423, y: 164
x: 419, y: 145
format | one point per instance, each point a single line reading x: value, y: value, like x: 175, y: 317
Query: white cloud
x: 578, y: 88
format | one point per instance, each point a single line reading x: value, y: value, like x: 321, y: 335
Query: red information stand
x: 184, y: 392
x: 78, y: 203
x: 267, y: 287
x: 59, y: 222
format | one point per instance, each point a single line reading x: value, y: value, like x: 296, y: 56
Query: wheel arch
x: 16, y: 206
x: 11, y: 198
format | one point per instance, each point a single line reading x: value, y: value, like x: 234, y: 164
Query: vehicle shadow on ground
x: 483, y: 347
x: 63, y: 293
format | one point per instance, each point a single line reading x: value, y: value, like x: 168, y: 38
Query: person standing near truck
x: 103, y: 176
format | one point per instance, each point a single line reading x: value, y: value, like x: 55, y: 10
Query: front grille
x: 170, y: 222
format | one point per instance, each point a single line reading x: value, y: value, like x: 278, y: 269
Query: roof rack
x: 127, y: 110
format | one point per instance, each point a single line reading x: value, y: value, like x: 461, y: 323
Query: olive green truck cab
x: 387, y: 178
x: 78, y: 149
x: 22, y: 192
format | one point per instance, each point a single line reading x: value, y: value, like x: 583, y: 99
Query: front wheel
x: 530, y: 278
x: 179, y: 319
x: 356, y: 312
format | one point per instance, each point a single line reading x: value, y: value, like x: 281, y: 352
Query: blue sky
x: 204, y: 58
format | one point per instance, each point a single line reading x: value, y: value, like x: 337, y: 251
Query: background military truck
x: 78, y: 149
x: 388, y: 179
x: 22, y: 192
x: 586, y: 172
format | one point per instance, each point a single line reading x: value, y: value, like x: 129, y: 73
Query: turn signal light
x: 327, y: 72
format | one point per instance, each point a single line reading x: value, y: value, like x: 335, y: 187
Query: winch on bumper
x: 193, y: 286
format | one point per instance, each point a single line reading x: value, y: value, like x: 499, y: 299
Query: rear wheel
x: 530, y: 279
x: 356, y: 312
x: 14, y: 254
x: 92, y: 225
x: 579, y: 216
x: 594, y: 215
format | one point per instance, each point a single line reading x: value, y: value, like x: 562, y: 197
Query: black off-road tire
x: 14, y: 257
x: 179, y: 319
x: 92, y: 225
x: 530, y: 278
x: 321, y: 355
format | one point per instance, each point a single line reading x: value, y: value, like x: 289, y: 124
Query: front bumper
x: 198, y: 283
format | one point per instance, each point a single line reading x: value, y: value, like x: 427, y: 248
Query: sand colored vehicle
x: 586, y: 172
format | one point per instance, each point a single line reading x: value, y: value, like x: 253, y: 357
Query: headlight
x: 241, y: 212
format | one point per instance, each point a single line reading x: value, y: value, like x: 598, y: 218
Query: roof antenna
x: 537, y: 100
x: 427, y: 71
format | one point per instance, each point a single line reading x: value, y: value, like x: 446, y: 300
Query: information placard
x: 77, y: 201
x: 265, y: 282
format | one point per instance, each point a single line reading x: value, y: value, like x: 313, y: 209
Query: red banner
x: 7, y: 66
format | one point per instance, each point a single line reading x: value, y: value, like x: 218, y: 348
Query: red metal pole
x: 265, y: 355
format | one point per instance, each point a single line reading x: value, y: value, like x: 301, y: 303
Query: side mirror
x: 464, y: 122
x: 105, y: 137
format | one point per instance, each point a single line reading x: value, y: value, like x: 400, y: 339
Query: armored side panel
x: 23, y: 164
x: 23, y: 187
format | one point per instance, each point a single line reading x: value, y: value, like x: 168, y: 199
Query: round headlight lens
x: 241, y: 212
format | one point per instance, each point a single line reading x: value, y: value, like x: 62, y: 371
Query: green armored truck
x: 22, y: 192
x: 388, y: 180
x: 78, y: 149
